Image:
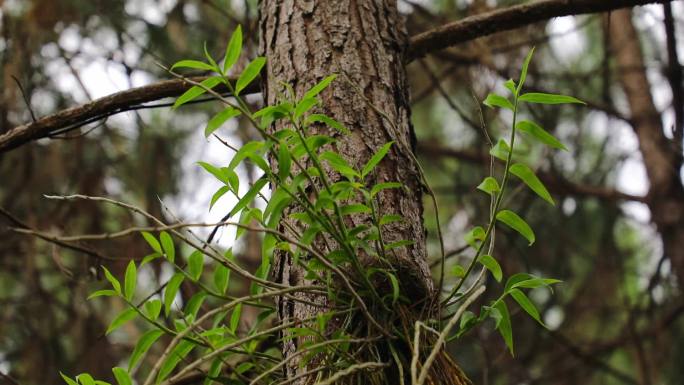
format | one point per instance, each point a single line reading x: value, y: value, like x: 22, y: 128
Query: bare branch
x: 505, y: 19
x: 101, y: 108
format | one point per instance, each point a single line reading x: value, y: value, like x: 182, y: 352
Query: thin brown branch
x: 99, y: 109
x: 505, y: 19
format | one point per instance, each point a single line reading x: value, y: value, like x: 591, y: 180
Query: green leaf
x: 532, y: 129
x: 318, y: 88
x: 523, y: 74
x: 152, y: 241
x: 492, y: 265
x: 284, y: 161
x: 354, y: 209
x: 177, y: 354
x: 526, y: 304
x: 235, y: 318
x: 387, y: 219
x: 500, y: 150
x: 130, y: 280
x: 220, y: 118
x: 167, y: 245
x: 303, y: 106
x: 249, y: 196
x: 489, y: 185
x: 216, y: 172
x: 384, y: 186
x: 250, y: 73
x: 144, y: 343
x: 115, y: 282
x: 194, y: 304
x: 153, y: 308
x: 510, y: 85
x: 535, y: 282
x: 233, y: 49
x: 339, y: 164
x: 195, y: 64
x: 458, y: 271
x: 102, y: 293
x: 210, y: 59
x: 375, y: 159
x: 170, y: 292
x: 477, y: 234
x: 67, y: 379
x: 504, y: 325
x: 85, y: 379
x: 122, y: 376
x: 397, y: 244
x: 494, y: 100
x: 541, y: 98
x: 195, y: 265
x: 516, y: 223
x: 196, y: 91
x: 516, y: 278
x: 395, y: 287
x: 326, y: 120
x: 221, y: 278
x: 121, y: 319
x: 527, y: 175
x: 217, y: 195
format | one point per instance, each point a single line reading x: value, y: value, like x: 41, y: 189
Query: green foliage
x: 323, y: 213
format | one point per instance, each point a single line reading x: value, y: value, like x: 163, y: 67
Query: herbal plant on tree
x: 314, y: 209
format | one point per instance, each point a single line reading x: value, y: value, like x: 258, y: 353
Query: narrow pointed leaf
x: 494, y: 100
x: 492, y: 265
x: 171, y: 291
x: 233, y: 49
x: 195, y: 265
x: 122, y: 376
x: 542, y: 98
x: 516, y: 223
x: 152, y: 241
x: 144, y: 343
x: 220, y: 118
x: 504, y: 325
x: 500, y: 150
x: 527, y: 175
x: 130, y: 280
x: 523, y: 73
x: 375, y: 159
x: 121, y: 319
x: 194, y: 64
x: 196, y: 91
x: 326, y: 120
x: 115, y: 282
x: 526, y: 304
x: 489, y: 185
x: 250, y: 73
x: 534, y: 130
x: 249, y: 196
x: 167, y: 245
x: 318, y: 88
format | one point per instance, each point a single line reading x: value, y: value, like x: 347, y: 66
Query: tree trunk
x: 666, y: 196
x: 363, y: 42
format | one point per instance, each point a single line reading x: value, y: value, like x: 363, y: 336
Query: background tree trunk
x: 661, y: 155
x: 362, y: 41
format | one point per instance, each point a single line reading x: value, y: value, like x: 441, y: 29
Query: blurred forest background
x: 615, y: 237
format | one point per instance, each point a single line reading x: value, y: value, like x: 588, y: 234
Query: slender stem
x: 497, y: 204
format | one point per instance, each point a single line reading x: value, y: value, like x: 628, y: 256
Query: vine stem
x: 497, y: 204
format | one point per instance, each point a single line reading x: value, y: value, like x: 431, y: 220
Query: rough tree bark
x: 661, y: 158
x: 363, y: 41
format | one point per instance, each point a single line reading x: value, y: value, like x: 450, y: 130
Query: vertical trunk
x: 666, y: 196
x: 363, y: 42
